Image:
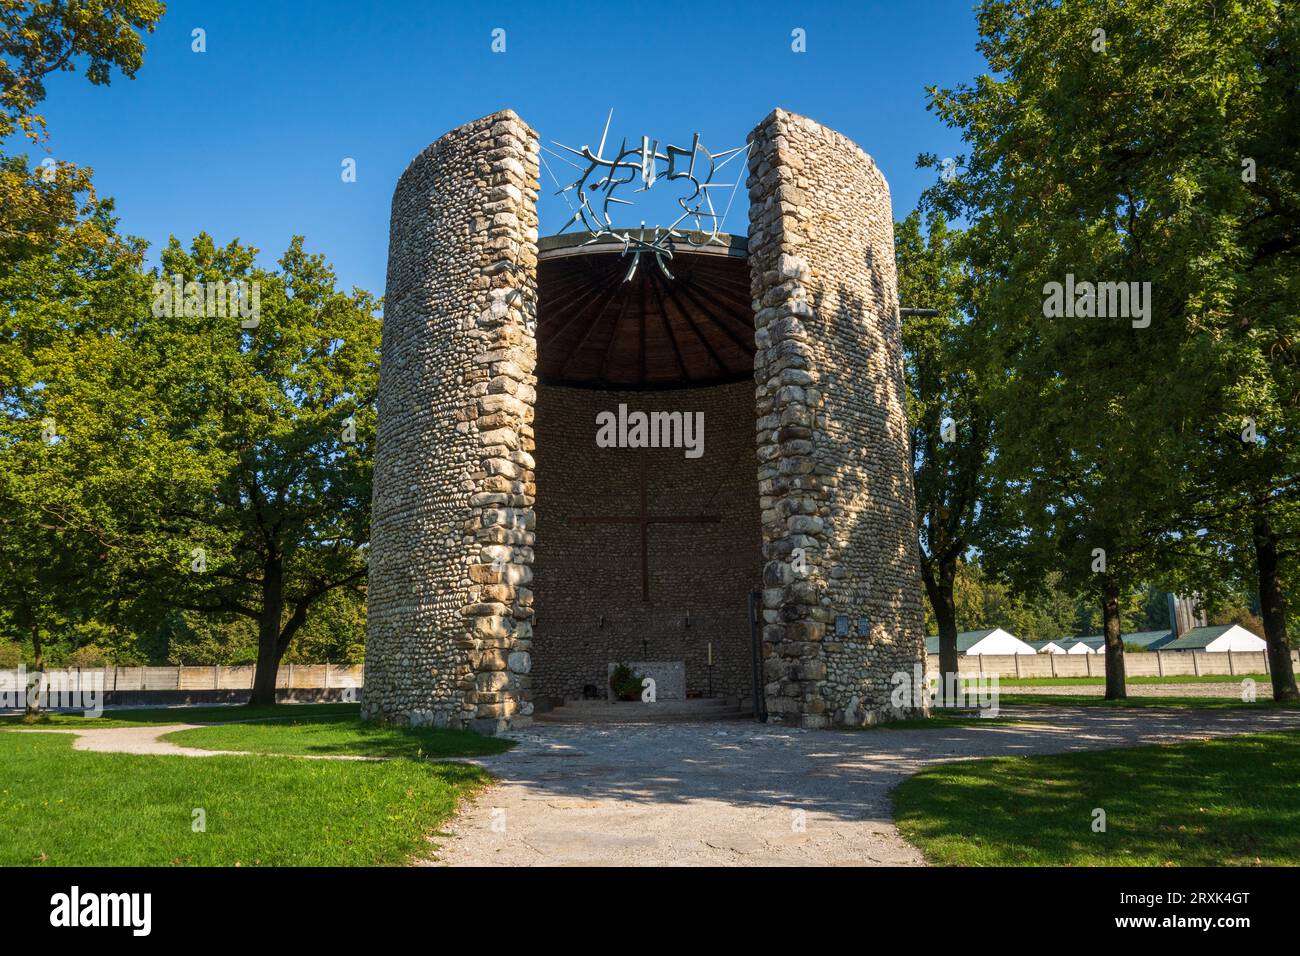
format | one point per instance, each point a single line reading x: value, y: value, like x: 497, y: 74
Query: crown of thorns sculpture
x: 602, y: 176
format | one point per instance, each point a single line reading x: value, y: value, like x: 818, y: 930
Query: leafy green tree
x: 1105, y: 147
x: 51, y: 228
x: 947, y: 413
x: 39, y: 39
x: 41, y: 206
x: 275, y: 414
x: 156, y: 457
x: 66, y: 484
x: 1245, y: 486
x: 164, y: 458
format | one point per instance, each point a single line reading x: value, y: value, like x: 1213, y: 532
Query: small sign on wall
x: 841, y: 625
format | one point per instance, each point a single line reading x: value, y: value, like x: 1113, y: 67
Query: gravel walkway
x: 147, y: 740
x: 739, y: 793
x: 123, y: 740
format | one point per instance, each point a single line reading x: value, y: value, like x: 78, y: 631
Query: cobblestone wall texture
x: 842, y: 599
x: 449, y: 630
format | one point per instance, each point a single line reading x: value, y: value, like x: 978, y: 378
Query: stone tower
x: 841, y: 598
x: 450, y: 635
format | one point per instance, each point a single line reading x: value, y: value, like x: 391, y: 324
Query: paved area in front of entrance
x: 741, y: 793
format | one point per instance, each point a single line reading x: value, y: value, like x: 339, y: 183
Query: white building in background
x: 991, y: 641
x: 1048, y: 647
x: 1096, y: 643
x: 1222, y: 637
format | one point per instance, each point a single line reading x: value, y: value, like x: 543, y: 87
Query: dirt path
x: 739, y: 793
x: 148, y: 740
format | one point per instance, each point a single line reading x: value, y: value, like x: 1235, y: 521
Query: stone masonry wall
x: 588, y: 571
x: 834, y: 472
x: 449, y: 630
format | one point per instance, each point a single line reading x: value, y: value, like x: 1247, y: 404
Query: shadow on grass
x: 1209, y: 803
x: 343, y: 734
x: 61, y: 807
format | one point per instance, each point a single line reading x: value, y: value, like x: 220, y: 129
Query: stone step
x: 604, y: 711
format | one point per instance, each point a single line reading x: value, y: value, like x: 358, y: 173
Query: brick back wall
x: 583, y: 571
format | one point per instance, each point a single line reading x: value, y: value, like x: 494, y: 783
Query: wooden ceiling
x: 595, y: 330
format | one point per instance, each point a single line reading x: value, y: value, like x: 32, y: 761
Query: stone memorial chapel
x: 514, y: 560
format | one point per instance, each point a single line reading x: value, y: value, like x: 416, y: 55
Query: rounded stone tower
x: 842, y: 593
x: 449, y: 635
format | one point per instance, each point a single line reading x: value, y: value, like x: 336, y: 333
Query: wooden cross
x: 644, y: 519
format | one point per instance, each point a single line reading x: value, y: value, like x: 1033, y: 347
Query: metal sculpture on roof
x: 602, y: 176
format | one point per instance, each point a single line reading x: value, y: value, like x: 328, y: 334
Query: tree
x: 50, y: 218
x: 67, y: 485
x: 1245, y: 488
x: 156, y: 458
x: 38, y: 208
x: 951, y: 431
x: 277, y: 419
x: 1105, y: 150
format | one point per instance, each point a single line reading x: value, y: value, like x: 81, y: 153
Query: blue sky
x: 247, y: 139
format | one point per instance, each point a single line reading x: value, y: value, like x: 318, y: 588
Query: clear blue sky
x: 246, y: 140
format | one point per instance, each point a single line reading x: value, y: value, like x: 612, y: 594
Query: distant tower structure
x: 1185, y: 613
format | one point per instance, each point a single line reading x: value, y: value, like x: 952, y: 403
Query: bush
x: 11, y: 655
x: 625, y: 683
x: 87, y: 657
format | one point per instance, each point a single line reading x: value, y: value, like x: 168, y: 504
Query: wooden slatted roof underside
x: 595, y: 330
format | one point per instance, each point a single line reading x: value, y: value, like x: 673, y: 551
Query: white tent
x: 990, y: 641
x: 1222, y: 637
x: 1048, y: 647
x: 998, y: 641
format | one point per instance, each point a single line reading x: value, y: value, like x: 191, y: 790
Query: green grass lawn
x: 135, y: 717
x: 1096, y: 700
x: 338, y: 734
x: 61, y: 807
x: 1233, y: 801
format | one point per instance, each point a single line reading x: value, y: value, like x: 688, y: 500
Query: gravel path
x: 123, y: 740
x: 739, y: 793
x: 147, y: 740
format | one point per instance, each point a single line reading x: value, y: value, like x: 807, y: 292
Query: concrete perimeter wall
x: 201, y: 685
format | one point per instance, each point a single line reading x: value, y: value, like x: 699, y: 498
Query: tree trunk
x: 32, y: 704
x: 1273, y: 608
x: 940, y: 593
x: 269, y: 647
x: 1115, y: 685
